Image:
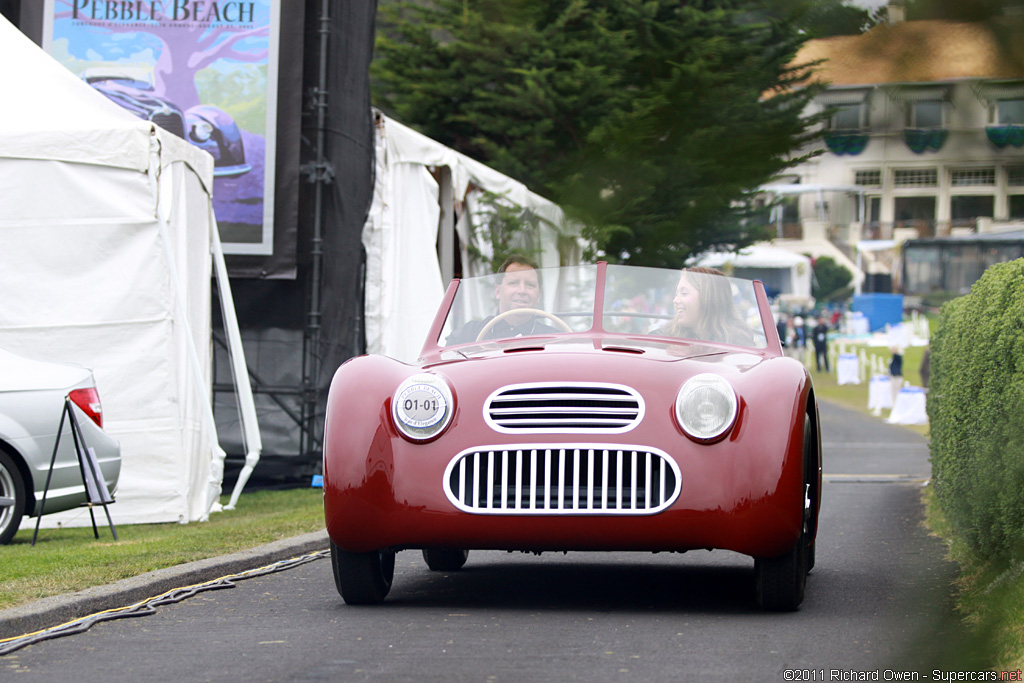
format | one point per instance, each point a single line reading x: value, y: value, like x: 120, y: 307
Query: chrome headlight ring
x: 201, y: 131
x: 422, y: 407
x: 706, y: 407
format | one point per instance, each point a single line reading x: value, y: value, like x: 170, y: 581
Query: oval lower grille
x: 557, y: 408
x: 562, y: 479
x: 171, y: 122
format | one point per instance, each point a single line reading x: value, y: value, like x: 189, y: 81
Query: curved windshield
x: 696, y: 304
x: 522, y: 302
x: 648, y: 302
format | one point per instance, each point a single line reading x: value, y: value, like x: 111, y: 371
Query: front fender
x: 778, y: 400
x: 359, y: 437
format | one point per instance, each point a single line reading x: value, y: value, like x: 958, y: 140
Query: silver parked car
x: 32, y: 398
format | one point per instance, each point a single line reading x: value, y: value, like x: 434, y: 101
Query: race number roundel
x: 421, y: 406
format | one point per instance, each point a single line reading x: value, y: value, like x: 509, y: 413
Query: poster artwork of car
x: 205, y: 126
x: 205, y: 71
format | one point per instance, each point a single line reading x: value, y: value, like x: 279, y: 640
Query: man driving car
x: 518, y: 288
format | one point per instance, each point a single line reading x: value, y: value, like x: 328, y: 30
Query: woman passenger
x: 704, y: 309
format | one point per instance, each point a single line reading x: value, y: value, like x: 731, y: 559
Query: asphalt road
x: 878, y: 602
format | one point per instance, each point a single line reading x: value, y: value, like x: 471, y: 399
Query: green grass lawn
x: 71, y: 559
x: 855, y: 396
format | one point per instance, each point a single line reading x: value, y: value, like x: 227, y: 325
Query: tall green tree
x: 824, y: 18
x: 831, y: 279
x: 648, y: 120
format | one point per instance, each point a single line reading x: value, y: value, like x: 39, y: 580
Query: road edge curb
x: 58, y: 609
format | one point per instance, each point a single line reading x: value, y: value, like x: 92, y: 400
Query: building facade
x: 924, y: 135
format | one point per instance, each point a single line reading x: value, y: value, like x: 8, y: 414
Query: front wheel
x: 12, y: 498
x: 781, y: 581
x: 445, y: 559
x: 363, y: 578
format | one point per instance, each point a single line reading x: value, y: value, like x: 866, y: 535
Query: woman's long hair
x: 719, y: 321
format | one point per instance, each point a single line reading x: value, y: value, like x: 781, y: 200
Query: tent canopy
x: 783, y: 272
x: 107, y: 227
x: 404, y: 282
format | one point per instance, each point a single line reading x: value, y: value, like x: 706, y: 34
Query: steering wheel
x: 518, y: 311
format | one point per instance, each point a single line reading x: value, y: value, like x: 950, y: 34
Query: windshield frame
x: 768, y: 343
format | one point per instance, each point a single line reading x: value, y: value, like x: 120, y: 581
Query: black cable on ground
x: 149, y: 605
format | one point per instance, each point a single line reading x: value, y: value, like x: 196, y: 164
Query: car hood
x: 647, y: 348
x: 24, y: 374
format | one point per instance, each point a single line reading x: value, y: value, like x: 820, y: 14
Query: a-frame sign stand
x: 95, y: 488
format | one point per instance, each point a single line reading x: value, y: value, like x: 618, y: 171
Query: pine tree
x: 649, y: 120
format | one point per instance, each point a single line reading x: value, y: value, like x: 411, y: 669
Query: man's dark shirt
x: 821, y: 337
x: 501, y: 330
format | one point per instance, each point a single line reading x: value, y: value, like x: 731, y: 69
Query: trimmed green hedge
x: 976, y: 413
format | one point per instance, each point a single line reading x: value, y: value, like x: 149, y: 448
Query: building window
x: 848, y: 117
x: 926, y: 114
x: 965, y: 177
x: 1015, y: 176
x: 915, y: 212
x: 1016, y: 207
x: 1009, y: 112
x: 965, y: 209
x: 870, y: 178
x: 846, y: 130
x: 873, y: 229
x: 916, y: 177
x: 1006, y: 117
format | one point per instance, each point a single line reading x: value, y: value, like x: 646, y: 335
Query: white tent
x: 879, y: 257
x: 108, y: 246
x: 782, y: 271
x: 405, y: 279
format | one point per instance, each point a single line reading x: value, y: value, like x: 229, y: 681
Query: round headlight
x: 201, y: 131
x: 422, y: 406
x: 706, y: 406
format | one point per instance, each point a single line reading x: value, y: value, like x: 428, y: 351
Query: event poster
x: 205, y: 70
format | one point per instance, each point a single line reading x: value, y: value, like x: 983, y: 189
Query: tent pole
x: 243, y: 389
x: 311, y: 360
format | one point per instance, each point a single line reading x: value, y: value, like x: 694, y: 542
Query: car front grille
x: 561, y: 408
x: 535, y: 479
x: 171, y: 122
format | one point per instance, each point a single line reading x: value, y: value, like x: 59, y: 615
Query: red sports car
x: 596, y: 407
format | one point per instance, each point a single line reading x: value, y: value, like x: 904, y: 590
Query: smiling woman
x: 704, y: 309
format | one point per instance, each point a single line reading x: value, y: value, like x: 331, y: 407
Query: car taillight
x: 88, y: 400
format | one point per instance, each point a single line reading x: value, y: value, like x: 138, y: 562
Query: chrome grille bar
x: 558, y: 408
x: 562, y: 479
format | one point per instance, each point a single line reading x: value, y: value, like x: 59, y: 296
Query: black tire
x: 445, y: 559
x: 363, y: 578
x: 812, y: 485
x: 12, y: 498
x: 781, y: 581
